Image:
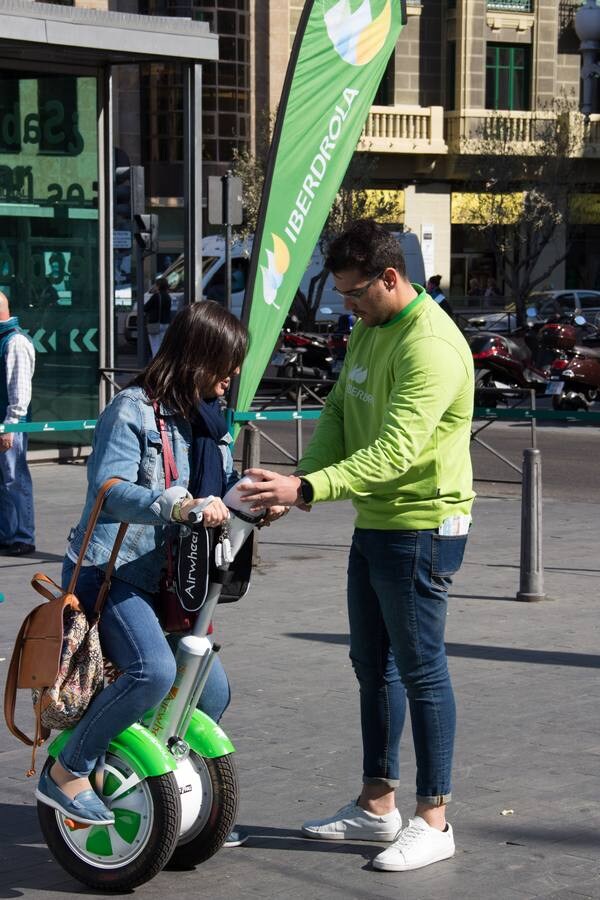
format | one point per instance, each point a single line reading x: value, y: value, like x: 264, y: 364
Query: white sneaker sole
x: 385, y: 866
x: 382, y: 838
x: 55, y: 805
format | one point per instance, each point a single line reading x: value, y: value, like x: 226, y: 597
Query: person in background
x: 435, y: 292
x: 492, y: 291
x: 393, y: 437
x: 475, y: 289
x: 17, y: 364
x: 158, y: 314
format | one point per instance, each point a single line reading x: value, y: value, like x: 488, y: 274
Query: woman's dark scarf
x: 207, y: 475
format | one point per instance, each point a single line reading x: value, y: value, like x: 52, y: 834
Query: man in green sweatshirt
x: 394, y: 438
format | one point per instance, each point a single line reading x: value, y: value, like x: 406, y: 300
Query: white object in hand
x: 233, y: 498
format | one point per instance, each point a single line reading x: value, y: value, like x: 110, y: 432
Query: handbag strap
x: 105, y: 586
x: 170, y: 467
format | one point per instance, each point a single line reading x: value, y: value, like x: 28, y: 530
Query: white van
x: 213, y: 277
x: 331, y: 305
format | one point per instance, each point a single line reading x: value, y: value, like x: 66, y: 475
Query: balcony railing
x: 490, y: 131
x: 404, y: 129
x: 478, y: 131
x: 511, y: 5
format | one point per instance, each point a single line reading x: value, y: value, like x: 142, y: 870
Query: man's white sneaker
x: 416, y: 846
x: 352, y: 822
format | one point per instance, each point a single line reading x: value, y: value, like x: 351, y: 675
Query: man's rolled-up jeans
x: 397, y: 604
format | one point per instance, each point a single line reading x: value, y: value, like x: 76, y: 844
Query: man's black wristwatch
x: 306, y: 491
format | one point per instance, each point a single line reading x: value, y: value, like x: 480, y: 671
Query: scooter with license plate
x: 169, y: 779
x: 575, y: 372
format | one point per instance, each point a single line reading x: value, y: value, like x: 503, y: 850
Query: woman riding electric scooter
x: 204, y: 346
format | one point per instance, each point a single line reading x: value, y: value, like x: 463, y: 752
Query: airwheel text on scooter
x: 170, y: 781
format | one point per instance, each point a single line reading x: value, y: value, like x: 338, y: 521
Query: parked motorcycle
x: 169, y: 780
x: 506, y: 362
x: 575, y: 372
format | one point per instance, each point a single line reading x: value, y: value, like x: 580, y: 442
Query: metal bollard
x: 531, y: 586
x: 251, y: 448
x: 251, y: 460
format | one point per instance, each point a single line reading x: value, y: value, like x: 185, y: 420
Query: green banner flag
x: 339, y: 57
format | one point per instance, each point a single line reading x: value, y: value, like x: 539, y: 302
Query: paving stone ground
x: 527, y: 681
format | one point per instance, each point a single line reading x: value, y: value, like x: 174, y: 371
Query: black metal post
x: 192, y: 177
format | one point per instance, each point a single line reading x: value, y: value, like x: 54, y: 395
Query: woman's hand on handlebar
x: 212, y: 515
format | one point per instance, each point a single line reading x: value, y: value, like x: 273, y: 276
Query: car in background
x: 547, y: 304
x: 213, y: 279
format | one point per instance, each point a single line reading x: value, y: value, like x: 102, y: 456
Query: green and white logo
x: 357, y: 36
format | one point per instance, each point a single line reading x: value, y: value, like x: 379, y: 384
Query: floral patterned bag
x: 57, y: 652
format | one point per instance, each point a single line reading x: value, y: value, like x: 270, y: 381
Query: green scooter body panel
x: 146, y: 755
x: 207, y: 738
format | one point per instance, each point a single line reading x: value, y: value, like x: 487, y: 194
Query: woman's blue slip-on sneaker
x: 86, y: 807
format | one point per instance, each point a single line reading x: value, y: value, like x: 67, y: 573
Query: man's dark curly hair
x: 367, y: 246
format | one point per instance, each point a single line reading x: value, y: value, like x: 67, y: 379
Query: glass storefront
x: 49, y: 235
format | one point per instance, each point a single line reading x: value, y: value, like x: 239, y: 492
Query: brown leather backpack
x: 41, y: 658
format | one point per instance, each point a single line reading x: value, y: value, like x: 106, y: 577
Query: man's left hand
x: 6, y: 441
x: 273, y: 513
x: 272, y: 489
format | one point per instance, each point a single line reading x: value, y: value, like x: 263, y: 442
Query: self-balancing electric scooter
x: 170, y: 780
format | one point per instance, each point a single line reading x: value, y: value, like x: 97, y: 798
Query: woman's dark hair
x: 203, y: 344
x: 367, y: 246
x: 436, y: 280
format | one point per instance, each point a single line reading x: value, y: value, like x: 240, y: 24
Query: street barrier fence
x: 531, y: 585
x: 290, y: 415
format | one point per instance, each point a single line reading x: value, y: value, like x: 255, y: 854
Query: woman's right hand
x: 212, y: 515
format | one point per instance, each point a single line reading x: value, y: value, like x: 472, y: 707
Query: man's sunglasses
x: 357, y: 293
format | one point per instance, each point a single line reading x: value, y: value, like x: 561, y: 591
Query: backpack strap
x: 96, y: 509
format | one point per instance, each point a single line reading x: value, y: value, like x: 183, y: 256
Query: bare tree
x: 524, y: 169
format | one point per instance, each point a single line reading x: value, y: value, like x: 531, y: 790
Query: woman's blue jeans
x: 133, y: 640
x: 397, y: 605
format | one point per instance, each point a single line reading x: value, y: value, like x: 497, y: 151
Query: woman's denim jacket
x: 127, y: 445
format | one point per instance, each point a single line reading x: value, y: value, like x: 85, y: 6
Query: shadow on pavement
x: 478, y: 651
x: 24, y: 865
x: 34, y: 559
x: 269, y: 838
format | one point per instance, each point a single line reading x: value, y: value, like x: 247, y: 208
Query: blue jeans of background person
x: 397, y: 605
x: 133, y: 641
x: 16, y: 494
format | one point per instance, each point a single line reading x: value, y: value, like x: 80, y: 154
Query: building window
x: 568, y: 42
x: 225, y: 88
x: 507, y: 76
x: 451, y: 75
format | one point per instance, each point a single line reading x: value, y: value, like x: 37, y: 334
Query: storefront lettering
x: 47, y: 127
x: 17, y: 186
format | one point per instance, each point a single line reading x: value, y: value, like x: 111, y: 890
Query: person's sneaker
x: 352, y: 822
x: 416, y: 846
x: 235, y: 838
